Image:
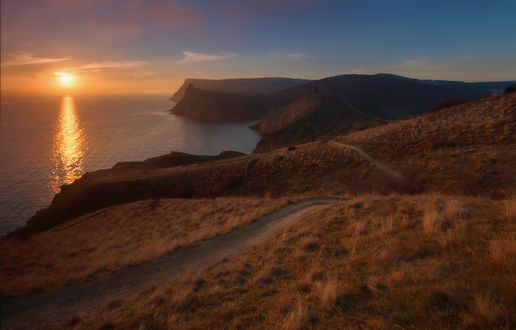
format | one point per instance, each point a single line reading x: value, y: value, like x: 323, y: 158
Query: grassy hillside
x: 308, y: 119
x: 430, y: 261
x: 119, y: 236
x: 347, y: 103
x: 425, y: 238
x: 466, y: 150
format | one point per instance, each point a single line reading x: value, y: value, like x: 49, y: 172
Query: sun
x: 66, y: 79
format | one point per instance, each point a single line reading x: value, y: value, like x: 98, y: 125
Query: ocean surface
x: 45, y: 143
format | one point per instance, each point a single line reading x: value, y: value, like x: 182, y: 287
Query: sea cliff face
x: 219, y: 107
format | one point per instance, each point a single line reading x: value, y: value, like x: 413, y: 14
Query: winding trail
x: 380, y: 165
x: 44, y: 308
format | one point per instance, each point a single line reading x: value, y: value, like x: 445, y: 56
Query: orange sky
x: 151, y: 46
x: 45, y: 79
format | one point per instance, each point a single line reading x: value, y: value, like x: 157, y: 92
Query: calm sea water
x: 45, y: 143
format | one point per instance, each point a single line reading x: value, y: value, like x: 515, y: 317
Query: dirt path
x: 373, y: 161
x: 44, y: 308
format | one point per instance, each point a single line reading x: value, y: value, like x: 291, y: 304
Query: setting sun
x: 66, y: 79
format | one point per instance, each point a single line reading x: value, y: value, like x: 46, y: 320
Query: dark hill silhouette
x: 510, y: 89
x: 309, y: 118
x: 240, y: 86
x: 352, y: 102
x: 383, y: 95
x: 213, y: 106
x: 329, y: 106
x: 389, y: 96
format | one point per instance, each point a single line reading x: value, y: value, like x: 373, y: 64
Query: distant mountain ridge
x: 239, y: 86
x: 329, y: 106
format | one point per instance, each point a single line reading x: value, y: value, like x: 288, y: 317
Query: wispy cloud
x: 108, y: 65
x: 29, y: 59
x: 421, y: 64
x: 192, y: 57
x: 144, y: 74
x: 297, y: 56
x: 111, y: 65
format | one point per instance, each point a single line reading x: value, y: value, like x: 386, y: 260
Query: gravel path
x: 45, y: 308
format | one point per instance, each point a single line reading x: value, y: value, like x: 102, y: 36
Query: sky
x: 151, y: 46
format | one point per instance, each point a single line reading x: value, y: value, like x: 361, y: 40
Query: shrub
x: 509, y: 90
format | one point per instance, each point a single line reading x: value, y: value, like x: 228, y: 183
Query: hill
x: 467, y: 149
x: 488, y: 86
x: 421, y: 236
x: 218, y: 106
x: 351, y: 102
x: 375, y: 262
x: 240, y: 86
x: 346, y: 103
x: 309, y: 118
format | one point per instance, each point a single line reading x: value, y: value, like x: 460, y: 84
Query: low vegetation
x: 465, y: 149
x: 119, y: 236
x: 397, y: 261
x: 434, y: 247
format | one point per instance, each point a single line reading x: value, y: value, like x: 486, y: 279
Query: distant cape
x: 239, y: 86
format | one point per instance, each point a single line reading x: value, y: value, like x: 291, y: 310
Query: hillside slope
x: 469, y: 149
x: 308, y: 118
x: 424, y: 240
x: 415, y: 262
x: 352, y: 102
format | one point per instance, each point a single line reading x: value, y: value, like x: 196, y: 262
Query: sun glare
x: 66, y: 79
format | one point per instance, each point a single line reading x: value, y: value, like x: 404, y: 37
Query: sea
x: 48, y: 142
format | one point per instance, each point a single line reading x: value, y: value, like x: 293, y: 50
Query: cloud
x: 297, y: 56
x: 28, y: 59
x: 144, y: 74
x: 192, y: 57
x: 111, y: 65
x: 421, y: 64
x: 102, y: 65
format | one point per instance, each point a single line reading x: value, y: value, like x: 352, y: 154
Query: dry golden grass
x: 463, y: 150
x: 467, y: 149
x: 119, y: 236
x: 367, y: 263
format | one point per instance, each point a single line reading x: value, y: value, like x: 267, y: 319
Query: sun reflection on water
x: 69, y: 144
